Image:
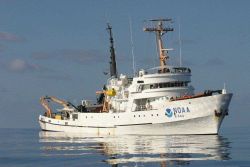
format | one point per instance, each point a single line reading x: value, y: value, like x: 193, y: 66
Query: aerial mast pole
x: 113, y: 70
x: 160, y: 31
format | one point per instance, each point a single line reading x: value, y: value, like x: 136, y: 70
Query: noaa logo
x: 177, y: 112
x: 169, y: 113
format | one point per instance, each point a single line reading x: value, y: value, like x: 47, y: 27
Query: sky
x: 61, y: 48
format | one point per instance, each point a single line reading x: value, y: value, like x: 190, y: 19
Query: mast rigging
x: 160, y: 30
x: 113, y: 70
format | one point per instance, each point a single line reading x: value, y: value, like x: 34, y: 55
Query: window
x: 164, y: 85
x: 75, y: 116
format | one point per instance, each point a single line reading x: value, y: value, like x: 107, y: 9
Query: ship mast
x: 160, y: 30
x: 113, y: 70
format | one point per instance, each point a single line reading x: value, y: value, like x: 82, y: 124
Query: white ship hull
x: 202, y: 115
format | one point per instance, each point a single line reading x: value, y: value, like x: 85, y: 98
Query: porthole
x: 157, y: 115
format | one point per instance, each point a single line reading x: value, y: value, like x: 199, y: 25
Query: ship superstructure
x: 160, y: 100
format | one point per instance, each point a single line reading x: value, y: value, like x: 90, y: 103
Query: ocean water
x: 32, y: 147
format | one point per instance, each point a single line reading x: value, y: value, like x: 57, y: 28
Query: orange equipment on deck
x: 44, y: 102
x: 111, y: 93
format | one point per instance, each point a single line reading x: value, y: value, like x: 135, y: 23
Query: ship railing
x: 166, y: 69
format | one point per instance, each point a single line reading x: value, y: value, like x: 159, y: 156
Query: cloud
x: 82, y: 55
x: 22, y: 66
x: 75, y: 55
x: 214, y: 62
x: 5, y: 36
x: 42, y: 56
x: 63, y: 77
x: 19, y: 65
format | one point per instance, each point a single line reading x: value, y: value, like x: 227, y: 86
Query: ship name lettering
x: 178, y: 110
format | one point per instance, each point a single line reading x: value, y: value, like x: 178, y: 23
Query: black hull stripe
x: 74, y: 125
x: 94, y: 126
x: 134, y: 124
x: 45, y: 130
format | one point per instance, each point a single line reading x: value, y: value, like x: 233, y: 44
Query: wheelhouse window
x: 164, y: 85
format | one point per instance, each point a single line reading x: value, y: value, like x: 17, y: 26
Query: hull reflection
x: 128, y: 149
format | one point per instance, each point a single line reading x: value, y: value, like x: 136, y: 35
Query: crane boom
x: 44, y: 103
x: 59, y: 101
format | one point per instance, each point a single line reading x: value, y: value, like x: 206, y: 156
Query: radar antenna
x: 160, y: 30
x: 113, y: 70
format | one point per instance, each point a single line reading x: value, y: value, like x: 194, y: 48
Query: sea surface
x: 32, y: 147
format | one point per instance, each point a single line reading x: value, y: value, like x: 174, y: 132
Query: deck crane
x: 45, y: 99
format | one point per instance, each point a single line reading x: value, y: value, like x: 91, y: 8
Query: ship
x: 155, y: 101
